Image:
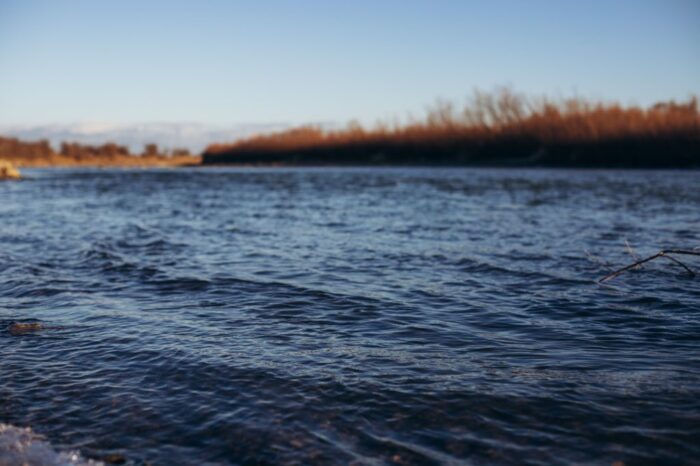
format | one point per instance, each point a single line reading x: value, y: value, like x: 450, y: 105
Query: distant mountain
x: 192, y: 136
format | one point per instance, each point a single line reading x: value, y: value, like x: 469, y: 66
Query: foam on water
x: 23, y: 446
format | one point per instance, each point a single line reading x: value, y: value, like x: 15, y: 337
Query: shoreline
x: 362, y: 166
x: 683, y: 154
x: 504, y: 129
x: 148, y: 163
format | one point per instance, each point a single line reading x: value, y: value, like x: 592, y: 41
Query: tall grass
x: 492, y: 118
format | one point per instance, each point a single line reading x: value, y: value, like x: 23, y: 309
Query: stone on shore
x: 8, y: 171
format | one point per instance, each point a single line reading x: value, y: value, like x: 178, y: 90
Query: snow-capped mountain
x: 192, y: 136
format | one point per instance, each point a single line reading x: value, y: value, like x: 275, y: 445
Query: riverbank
x: 40, y: 154
x: 134, y: 161
x: 495, y: 130
x: 636, y: 153
x: 503, y: 129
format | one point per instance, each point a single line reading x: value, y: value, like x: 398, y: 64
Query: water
x: 351, y: 316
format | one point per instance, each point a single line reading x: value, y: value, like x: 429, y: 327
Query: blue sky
x: 229, y: 62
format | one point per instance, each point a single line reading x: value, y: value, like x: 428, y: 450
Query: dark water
x: 352, y: 316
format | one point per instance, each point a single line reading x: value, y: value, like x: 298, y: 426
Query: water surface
x: 352, y: 316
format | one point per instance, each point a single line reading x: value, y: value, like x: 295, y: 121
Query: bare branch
x: 664, y: 253
x: 689, y: 252
x: 628, y: 267
x: 687, y: 269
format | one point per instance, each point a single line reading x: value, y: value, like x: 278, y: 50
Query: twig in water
x: 665, y: 253
x: 596, y: 260
x: 631, y: 251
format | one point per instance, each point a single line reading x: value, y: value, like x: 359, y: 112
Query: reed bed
x: 489, y: 124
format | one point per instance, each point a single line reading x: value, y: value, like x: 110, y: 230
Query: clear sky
x: 228, y: 61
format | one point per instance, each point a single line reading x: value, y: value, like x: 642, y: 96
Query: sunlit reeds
x: 492, y: 118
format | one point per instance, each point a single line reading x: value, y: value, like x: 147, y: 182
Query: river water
x: 350, y: 316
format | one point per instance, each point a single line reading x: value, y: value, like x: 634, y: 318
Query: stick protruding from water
x: 664, y: 253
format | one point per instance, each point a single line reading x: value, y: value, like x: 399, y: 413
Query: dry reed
x: 496, y: 117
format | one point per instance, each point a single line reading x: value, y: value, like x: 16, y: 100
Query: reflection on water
x: 337, y: 316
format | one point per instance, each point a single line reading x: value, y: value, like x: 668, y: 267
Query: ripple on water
x: 325, y: 316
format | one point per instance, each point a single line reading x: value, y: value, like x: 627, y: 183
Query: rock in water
x: 19, y: 328
x: 8, y: 171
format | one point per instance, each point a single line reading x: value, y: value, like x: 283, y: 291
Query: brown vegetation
x: 500, y: 128
x: 41, y: 154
